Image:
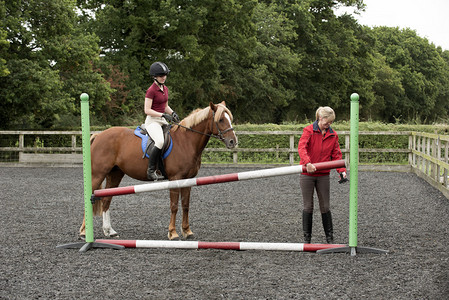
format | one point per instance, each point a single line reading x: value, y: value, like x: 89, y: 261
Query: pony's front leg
x: 174, y: 198
x: 185, y: 202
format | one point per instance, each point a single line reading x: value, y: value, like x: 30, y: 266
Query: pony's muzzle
x: 231, y: 143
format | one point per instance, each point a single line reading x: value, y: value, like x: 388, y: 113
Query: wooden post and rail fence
x: 427, y: 153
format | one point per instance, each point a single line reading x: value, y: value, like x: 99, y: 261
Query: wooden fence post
x: 291, y: 155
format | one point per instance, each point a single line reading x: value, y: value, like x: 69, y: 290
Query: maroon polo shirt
x: 160, y: 98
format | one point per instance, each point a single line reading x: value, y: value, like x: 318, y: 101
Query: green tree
x: 388, y: 89
x: 4, y: 44
x: 261, y: 84
x: 50, y: 63
x: 333, y: 51
x: 271, y: 61
x: 187, y: 35
x: 423, y: 73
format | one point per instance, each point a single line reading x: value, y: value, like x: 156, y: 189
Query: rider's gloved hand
x: 168, y: 117
x: 175, y: 116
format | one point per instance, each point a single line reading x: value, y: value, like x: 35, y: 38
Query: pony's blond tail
x: 92, y: 137
x: 97, y: 207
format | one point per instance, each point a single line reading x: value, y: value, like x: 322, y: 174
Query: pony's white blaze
x: 230, y: 125
x: 228, y: 117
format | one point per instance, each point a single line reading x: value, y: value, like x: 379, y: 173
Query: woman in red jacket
x: 318, y: 143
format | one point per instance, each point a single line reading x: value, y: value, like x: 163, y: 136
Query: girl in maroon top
x: 318, y: 143
x: 158, y: 113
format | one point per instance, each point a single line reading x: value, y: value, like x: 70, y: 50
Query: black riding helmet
x: 159, y: 69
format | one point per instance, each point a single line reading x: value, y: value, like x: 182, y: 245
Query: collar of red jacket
x: 317, y: 128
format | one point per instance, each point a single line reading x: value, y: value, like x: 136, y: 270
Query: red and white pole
x: 183, y: 183
x: 298, y: 247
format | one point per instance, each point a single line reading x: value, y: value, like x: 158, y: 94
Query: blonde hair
x: 325, y: 112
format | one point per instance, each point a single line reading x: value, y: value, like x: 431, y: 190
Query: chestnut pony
x: 117, y: 151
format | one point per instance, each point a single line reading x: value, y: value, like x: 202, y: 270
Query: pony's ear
x: 223, y: 103
x: 213, y: 106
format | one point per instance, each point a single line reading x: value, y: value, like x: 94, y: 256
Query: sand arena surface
x: 43, y: 207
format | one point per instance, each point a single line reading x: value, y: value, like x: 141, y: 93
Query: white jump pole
x: 183, y: 183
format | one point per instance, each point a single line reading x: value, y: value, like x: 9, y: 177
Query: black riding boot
x: 307, y: 226
x: 154, y: 157
x: 328, y: 227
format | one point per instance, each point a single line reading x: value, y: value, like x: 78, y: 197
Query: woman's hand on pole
x: 343, y: 178
x: 310, y: 168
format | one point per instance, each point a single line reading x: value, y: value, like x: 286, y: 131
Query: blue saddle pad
x: 145, y: 141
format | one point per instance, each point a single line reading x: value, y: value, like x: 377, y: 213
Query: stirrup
x: 154, y: 176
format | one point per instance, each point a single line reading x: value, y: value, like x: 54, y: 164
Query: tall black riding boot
x: 154, y: 157
x: 307, y: 226
x: 328, y: 227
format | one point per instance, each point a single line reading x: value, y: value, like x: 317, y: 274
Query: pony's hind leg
x: 113, y: 180
x: 185, y: 202
x: 107, y: 227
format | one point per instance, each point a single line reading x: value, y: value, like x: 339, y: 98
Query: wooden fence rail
x: 35, y: 153
x: 430, y: 159
x: 427, y: 153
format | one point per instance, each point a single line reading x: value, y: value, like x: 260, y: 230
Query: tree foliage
x: 422, y: 72
x: 3, y: 42
x: 271, y: 61
x: 50, y: 62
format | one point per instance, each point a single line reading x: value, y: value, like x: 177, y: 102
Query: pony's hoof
x: 82, y: 237
x: 110, y: 233
x: 172, y: 235
x: 187, y: 234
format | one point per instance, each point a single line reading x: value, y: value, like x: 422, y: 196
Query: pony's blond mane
x: 199, y: 115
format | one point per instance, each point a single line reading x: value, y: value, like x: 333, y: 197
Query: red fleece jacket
x: 314, y: 148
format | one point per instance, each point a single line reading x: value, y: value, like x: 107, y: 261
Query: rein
x: 217, y: 136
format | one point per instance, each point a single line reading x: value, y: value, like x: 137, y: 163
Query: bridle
x: 220, y: 134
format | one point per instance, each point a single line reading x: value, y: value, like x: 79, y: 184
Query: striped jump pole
x: 183, y: 183
x: 297, y: 247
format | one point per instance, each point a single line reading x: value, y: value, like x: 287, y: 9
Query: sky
x: 429, y: 18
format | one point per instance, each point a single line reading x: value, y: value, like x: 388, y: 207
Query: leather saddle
x: 148, y: 143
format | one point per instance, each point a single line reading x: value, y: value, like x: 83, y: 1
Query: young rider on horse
x: 158, y: 113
